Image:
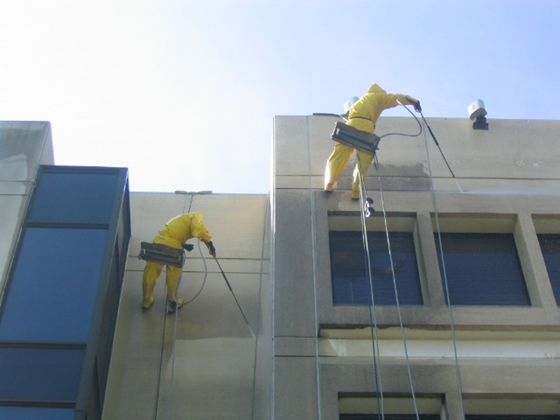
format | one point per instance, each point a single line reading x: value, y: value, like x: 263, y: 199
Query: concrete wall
x: 205, y: 363
x: 23, y: 147
x: 507, y: 179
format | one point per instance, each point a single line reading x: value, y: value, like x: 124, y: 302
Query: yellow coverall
x: 175, y: 233
x: 363, y: 115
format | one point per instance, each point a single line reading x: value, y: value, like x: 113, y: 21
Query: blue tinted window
x: 550, y: 247
x: 52, y: 290
x: 512, y: 417
x: 483, y: 269
x: 40, y: 374
x: 389, y: 417
x: 35, y: 413
x: 348, y: 268
x: 73, y: 197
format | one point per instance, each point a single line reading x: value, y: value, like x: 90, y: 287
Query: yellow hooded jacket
x: 182, y: 228
x: 366, y: 111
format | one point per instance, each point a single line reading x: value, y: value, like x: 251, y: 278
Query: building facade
x: 483, y: 237
x: 441, y: 304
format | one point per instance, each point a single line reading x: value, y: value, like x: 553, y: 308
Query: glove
x: 188, y: 247
x: 211, y: 248
x: 417, y: 107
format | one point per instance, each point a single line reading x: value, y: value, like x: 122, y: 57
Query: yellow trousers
x: 151, y: 274
x: 339, y: 159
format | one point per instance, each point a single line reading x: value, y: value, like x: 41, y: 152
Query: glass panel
x: 512, y: 417
x: 550, y: 247
x: 40, y: 374
x: 73, y: 198
x: 35, y: 413
x: 348, y: 269
x: 51, y: 293
x: 389, y: 417
x: 483, y: 269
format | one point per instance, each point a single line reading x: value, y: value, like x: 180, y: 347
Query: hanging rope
x: 444, y: 272
x: 363, y: 200
x: 175, y: 322
x: 399, y: 313
x: 259, y: 309
x: 314, y: 271
x: 372, y: 317
x: 164, y: 327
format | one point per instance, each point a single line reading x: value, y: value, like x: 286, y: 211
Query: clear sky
x: 183, y: 92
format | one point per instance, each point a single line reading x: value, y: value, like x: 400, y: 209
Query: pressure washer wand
x: 437, y: 144
x: 233, y: 294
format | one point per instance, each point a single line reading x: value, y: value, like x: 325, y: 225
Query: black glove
x: 417, y: 107
x: 188, y: 247
x: 211, y: 248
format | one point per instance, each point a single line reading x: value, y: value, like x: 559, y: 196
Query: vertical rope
x: 449, y: 306
x: 314, y: 270
x: 259, y: 311
x: 175, y: 322
x: 401, y: 324
x: 371, y: 312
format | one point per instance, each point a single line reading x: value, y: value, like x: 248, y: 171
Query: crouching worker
x: 175, y: 233
x: 362, y: 115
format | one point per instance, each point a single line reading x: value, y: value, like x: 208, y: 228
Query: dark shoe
x: 173, y: 306
x: 147, y: 304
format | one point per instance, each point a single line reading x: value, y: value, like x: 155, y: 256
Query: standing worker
x: 362, y: 115
x: 175, y: 233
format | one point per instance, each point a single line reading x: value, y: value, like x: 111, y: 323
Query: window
x: 550, y: 247
x: 43, y: 413
x: 362, y: 407
x: 482, y: 269
x: 59, y: 308
x: 350, y: 282
x: 40, y: 374
x: 511, y: 417
x: 389, y: 417
x: 77, y: 195
x: 56, y: 274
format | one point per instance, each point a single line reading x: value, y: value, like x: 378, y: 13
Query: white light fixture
x: 477, y: 113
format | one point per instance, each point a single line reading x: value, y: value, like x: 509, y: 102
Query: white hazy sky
x: 184, y: 92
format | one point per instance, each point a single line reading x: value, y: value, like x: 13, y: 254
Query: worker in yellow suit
x: 175, y: 233
x: 363, y: 115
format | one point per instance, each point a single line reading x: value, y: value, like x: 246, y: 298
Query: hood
x: 375, y: 88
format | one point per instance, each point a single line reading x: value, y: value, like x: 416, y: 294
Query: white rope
x: 449, y: 306
x: 401, y: 323
x: 259, y: 310
x: 372, y: 317
x: 314, y: 270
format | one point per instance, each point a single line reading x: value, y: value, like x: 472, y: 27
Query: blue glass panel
x: 349, y: 268
x: 73, y: 197
x: 40, y: 374
x: 35, y: 413
x: 390, y: 417
x: 51, y: 293
x: 550, y: 247
x: 483, y: 269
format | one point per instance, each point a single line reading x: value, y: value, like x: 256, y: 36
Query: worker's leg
x: 364, y: 160
x: 149, y: 278
x: 173, y: 301
x: 172, y: 278
x: 336, y: 163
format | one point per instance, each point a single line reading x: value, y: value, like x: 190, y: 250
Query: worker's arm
x: 211, y: 248
x: 414, y: 102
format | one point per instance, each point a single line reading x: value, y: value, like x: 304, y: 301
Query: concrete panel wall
x: 204, y: 362
x: 505, y: 179
x: 23, y: 147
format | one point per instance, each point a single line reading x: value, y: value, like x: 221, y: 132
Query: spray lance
x: 437, y: 144
x: 212, y: 250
